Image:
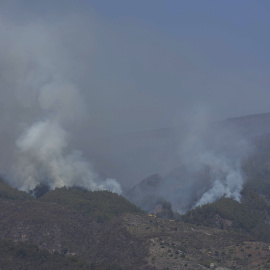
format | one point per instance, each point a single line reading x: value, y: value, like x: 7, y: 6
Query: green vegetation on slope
x: 98, y: 205
x: 7, y: 192
x: 24, y: 255
x: 250, y: 215
x: 253, y: 213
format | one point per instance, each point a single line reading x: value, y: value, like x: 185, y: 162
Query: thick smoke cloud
x: 41, y: 159
x: 210, y: 160
x: 220, y: 149
x: 227, y: 175
x: 88, y: 76
x: 45, y: 105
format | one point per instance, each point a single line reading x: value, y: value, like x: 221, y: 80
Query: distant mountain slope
x: 97, y: 205
x: 48, y: 225
x: 146, y: 194
x: 175, y: 187
x: 254, y: 129
x: 251, y: 125
x: 134, y: 156
x: 24, y: 255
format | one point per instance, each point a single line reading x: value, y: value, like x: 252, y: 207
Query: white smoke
x: 43, y: 157
x: 42, y: 160
x: 228, y: 180
x: 40, y: 80
x: 209, y: 166
x: 220, y: 149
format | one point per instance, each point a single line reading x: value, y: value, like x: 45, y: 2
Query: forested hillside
x: 251, y: 215
x: 97, y: 205
x: 71, y: 228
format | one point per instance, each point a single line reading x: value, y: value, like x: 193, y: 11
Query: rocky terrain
x: 127, y: 240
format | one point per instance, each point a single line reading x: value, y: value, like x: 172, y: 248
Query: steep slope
x: 98, y: 205
x: 250, y: 125
x: 251, y: 215
x: 129, y: 240
x: 146, y: 194
x: 23, y: 255
x: 7, y: 192
x: 60, y: 229
x: 48, y: 225
x: 175, y: 187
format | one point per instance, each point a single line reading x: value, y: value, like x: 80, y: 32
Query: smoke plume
x: 209, y: 167
x: 42, y: 159
x: 72, y: 78
x: 48, y: 104
x: 220, y: 149
x: 43, y: 156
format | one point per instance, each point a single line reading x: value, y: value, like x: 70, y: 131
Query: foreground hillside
x: 24, y: 255
x: 78, y: 229
x: 251, y: 215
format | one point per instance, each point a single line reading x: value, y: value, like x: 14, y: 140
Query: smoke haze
x: 210, y: 159
x: 219, y: 148
x: 36, y: 81
x: 79, y: 81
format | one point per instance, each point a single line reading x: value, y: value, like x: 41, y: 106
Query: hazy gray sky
x: 141, y: 64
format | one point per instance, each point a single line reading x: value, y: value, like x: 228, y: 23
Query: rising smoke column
x: 43, y: 155
x: 221, y: 150
x: 209, y: 167
x: 227, y: 178
x: 40, y: 82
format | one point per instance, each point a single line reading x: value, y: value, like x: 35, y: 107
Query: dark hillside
x: 7, y: 192
x: 23, y: 255
x: 48, y: 225
x: 56, y: 228
x: 98, y: 205
x: 60, y: 237
x: 250, y: 215
x: 146, y: 194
